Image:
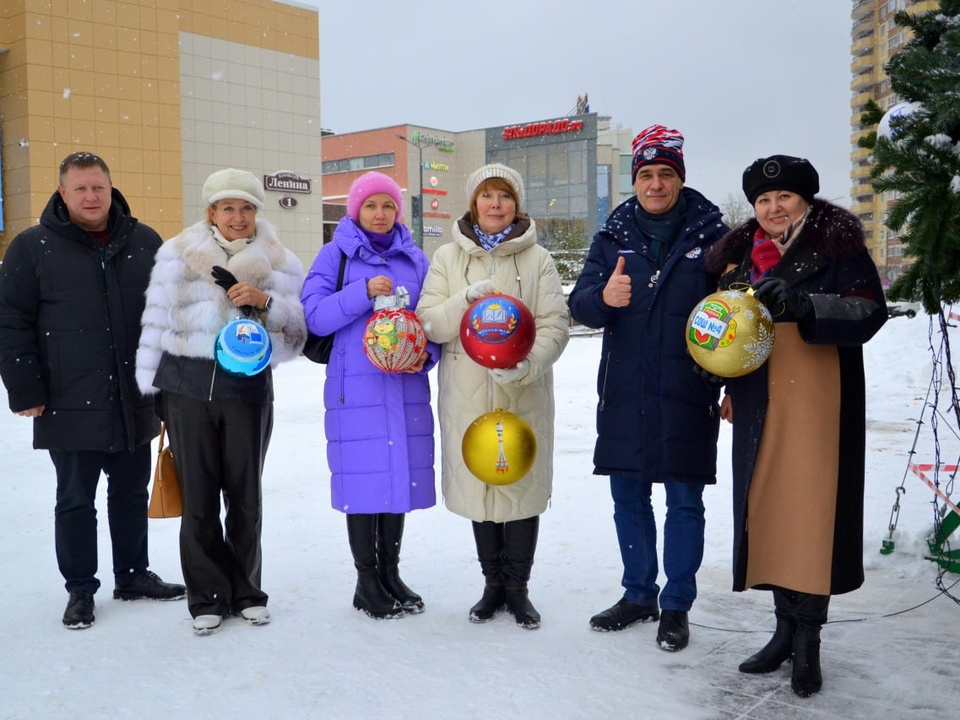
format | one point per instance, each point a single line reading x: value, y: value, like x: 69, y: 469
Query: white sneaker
x: 257, y: 615
x: 207, y: 624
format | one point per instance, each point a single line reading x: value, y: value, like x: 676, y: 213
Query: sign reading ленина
x: 286, y: 182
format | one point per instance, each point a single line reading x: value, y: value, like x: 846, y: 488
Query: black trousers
x: 219, y: 450
x: 75, y: 515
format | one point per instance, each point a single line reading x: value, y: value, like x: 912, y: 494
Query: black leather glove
x: 158, y: 406
x: 226, y: 279
x: 779, y: 297
x: 223, y: 277
x: 708, y: 377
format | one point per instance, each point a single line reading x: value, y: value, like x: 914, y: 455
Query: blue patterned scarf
x: 489, y: 242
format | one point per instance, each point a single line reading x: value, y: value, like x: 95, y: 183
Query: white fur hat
x: 496, y: 170
x: 232, y: 183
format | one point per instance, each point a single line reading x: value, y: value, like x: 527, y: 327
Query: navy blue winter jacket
x: 656, y: 418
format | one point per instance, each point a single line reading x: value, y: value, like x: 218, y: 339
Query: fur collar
x: 830, y: 232
x: 200, y: 252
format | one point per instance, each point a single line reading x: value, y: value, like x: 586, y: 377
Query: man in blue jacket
x: 657, y: 420
x: 71, y: 296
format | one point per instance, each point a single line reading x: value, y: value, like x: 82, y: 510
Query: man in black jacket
x: 71, y: 296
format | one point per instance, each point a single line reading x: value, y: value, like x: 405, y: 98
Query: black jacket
x: 69, y: 328
x: 655, y: 417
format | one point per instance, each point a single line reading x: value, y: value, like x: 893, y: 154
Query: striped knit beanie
x: 658, y: 144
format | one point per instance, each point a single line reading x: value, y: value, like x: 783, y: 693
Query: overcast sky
x: 739, y: 78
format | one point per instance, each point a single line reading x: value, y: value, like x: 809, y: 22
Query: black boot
x: 389, y: 537
x: 489, y: 539
x: 780, y: 647
x: 519, y: 547
x: 370, y: 595
x: 810, y: 614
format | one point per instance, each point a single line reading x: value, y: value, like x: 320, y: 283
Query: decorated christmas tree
x: 916, y: 154
x: 916, y: 157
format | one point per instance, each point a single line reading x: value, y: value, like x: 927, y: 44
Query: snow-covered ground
x: 892, y: 649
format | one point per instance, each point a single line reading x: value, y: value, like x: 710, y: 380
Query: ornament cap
x: 399, y: 300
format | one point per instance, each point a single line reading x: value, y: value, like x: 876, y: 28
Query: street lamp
x: 418, y: 217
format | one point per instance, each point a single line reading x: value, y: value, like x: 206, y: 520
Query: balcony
x: 862, y: 65
x: 862, y: 9
x: 862, y: 83
x: 862, y: 28
x: 863, y: 46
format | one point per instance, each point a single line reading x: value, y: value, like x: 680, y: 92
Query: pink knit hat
x: 369, y: 184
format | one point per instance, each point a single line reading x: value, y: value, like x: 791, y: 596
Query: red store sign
x: 552, y: 127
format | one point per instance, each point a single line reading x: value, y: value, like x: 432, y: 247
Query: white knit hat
x: 231, y: 183
x: 496, y: 170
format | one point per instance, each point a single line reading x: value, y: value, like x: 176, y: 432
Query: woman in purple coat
x: 379, y: 426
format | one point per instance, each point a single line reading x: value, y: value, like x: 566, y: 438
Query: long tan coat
x: 799, y: 420
x: 521, y: 268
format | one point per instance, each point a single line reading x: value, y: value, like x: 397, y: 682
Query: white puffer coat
x: 186, y: 308
x: 521, y: 268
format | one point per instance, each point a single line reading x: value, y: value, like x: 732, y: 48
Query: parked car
x: 908, y: 310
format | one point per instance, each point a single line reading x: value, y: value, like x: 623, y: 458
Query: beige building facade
x: 166, y: 91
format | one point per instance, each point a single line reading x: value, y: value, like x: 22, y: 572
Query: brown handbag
x: 165, y: 500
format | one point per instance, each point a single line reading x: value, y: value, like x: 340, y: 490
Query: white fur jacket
x: 186, y: 309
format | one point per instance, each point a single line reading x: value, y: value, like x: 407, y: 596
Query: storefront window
x: 358, y: 163
x: 559, y: 164
x: 536, y: 167
x: 577, y: 154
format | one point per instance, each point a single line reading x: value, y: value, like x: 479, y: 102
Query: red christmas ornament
x: 394, y: 339
x: 498, y: 331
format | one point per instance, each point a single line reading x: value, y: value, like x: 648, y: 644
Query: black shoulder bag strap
x: 318, y: 347
x: 343, y: 266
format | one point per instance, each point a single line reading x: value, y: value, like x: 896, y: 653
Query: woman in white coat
x: 495, y: 250
x: 220, y: 422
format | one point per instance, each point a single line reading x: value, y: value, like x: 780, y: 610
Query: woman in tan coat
x: 798, y: 421
x: 494, y: 249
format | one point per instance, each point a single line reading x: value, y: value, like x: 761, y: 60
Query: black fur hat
x: 781, y: 172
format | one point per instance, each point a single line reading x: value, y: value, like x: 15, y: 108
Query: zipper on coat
x: 213, y: 377
x: 603, y: 385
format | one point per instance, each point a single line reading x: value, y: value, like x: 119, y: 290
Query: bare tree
x: 736, y: 210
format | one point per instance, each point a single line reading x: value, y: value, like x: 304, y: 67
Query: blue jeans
x: 637, y: 535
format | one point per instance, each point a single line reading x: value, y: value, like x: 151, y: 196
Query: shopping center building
x: 166, y: 91
x: 575, y: 170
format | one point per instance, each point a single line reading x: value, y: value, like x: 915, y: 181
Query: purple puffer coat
x: 379, y: 426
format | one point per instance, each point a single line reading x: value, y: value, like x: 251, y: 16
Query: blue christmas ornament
x: 243, y: 347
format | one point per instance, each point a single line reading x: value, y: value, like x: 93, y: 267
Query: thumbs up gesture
x: 616, y: 293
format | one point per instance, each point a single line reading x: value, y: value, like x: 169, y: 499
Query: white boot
x: 207, y: 624
x: 257, y: 615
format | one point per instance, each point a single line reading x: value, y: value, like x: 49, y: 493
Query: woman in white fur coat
x: 220, y: 423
